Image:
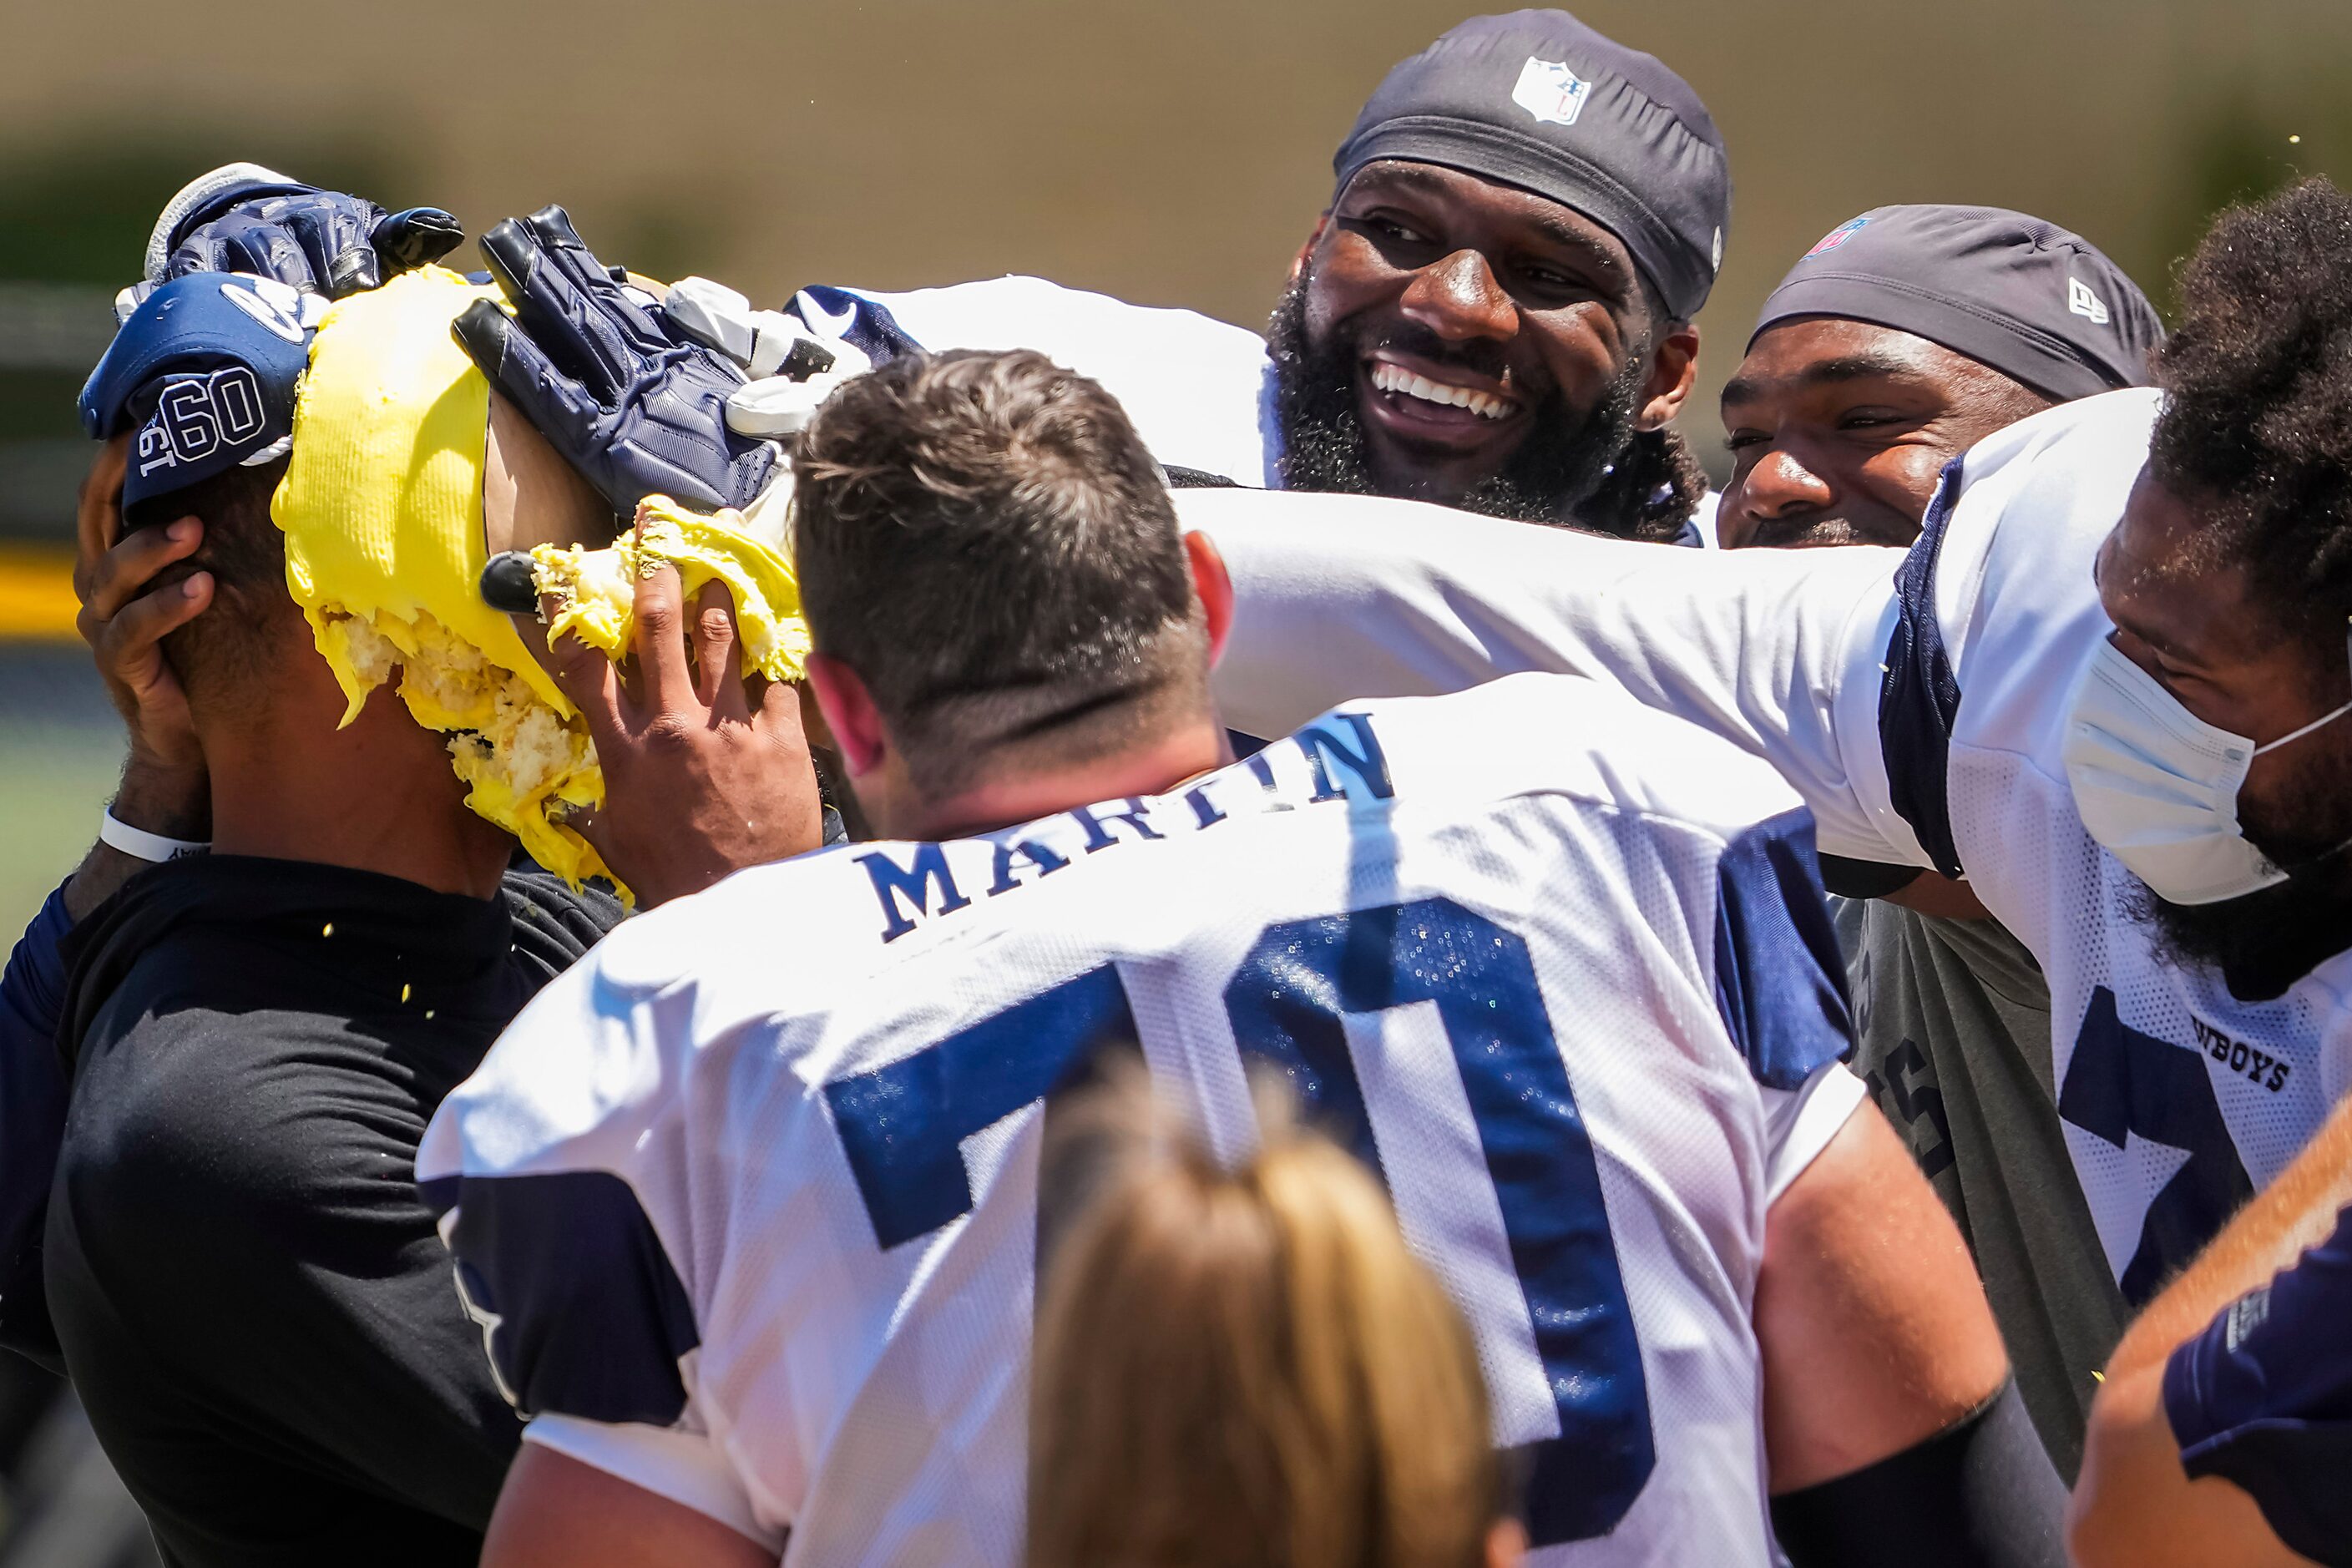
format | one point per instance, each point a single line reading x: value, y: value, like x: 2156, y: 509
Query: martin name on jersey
x: 1919, y: 701
x: 747, y: 1201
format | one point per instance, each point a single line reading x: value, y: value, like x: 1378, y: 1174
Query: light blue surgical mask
x: 2158, y: 787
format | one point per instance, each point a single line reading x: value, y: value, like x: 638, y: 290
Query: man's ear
x: 855, y: 724
x: 1674, y: 370
x: 1214, y: 584
x: 1298, y: 262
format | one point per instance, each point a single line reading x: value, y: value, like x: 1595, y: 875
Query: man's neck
x: 376, y: 795
x: 1154, y: 767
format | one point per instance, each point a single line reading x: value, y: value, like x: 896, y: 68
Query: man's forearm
x: 1341, y: 597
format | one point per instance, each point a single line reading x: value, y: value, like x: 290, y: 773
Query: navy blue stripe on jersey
x: 872, y: 332
x: 1287, y: 999
x: 1779, y: 979
x: 1919, y: 699
x: 2122, y: 1083
x: 2263, y: 1398
x: 580, y: 1308
x: 903, y: 1126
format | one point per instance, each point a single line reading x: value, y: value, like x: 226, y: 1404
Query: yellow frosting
x: 596, y: 589
x: 381, y: 510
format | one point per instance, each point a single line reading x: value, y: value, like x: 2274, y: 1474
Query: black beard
x: 2265, y: 941
x: 1324, y: 447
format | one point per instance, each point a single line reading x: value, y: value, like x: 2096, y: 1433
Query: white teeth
x: 1389, y: 377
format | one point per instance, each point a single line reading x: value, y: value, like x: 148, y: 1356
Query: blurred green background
x: 1174, y: 154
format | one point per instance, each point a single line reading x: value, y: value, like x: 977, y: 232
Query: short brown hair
x: 1246, y: 1367
x: 984, y: 539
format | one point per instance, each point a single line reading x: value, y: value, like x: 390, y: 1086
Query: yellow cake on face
x: 381, y: 509
x: 596, y: 589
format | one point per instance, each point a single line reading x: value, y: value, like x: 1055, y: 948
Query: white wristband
x: 141, y: 845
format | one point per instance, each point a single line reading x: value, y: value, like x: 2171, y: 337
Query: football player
x: 1901, y: 339
x: 747, y: 1204
x: 2143, y: 600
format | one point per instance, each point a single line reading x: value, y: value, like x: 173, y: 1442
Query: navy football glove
x: 247, y: 218
x: 595, y: 367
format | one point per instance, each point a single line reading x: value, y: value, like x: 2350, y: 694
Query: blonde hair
x: 1244, y: 1368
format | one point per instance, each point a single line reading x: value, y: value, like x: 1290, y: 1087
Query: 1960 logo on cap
x: 1550, y: 91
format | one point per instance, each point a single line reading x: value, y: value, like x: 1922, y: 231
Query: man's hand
x: 165, y: 787
x: 246, y: 218
x: 125, y: 624
x: 593, y: 363
x: 791, y: 369
x: 703, y: 776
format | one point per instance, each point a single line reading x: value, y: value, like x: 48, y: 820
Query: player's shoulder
x: 2005, y: 563
x: 1572, y: 736
x: 2110, y: 428
x: 608, y: 1048
x: 2060, y: 475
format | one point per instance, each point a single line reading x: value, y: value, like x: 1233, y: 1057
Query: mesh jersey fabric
x: 1951, y: 1024
x: 748, y: 1201
x: 2178, y: 1098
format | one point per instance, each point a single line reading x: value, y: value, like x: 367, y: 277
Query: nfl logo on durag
x: 1550, y: 91
x: 1835, y: 238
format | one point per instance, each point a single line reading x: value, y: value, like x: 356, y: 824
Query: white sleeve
x: 683, y: 1465
x: 1193, y: 384
x: 1800, y: 1123
x: 1780, y: 652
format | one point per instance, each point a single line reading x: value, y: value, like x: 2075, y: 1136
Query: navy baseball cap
x: 2039, y: 304
x: 1539, y: 100
x: 205, y: 372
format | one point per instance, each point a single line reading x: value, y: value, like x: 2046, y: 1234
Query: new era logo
x: 1550, y: 91
x: 2083, y: 302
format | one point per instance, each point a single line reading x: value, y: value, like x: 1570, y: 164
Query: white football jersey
x: 1197, y: 388
x: 1847, y: 668
x: 747, y: 1200
x: 1200, y: 391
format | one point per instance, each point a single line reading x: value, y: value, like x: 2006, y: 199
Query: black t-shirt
x: 247, y: 1290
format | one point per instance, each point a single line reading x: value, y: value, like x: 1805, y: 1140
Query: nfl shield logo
x: 1550, y: 91
x: 1835, y: 238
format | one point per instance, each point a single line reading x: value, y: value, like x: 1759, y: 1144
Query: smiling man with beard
x: 1495, y: 313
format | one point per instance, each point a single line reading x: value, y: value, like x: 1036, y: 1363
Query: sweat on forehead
x: 1539, y: 100
x: 2032, y: 301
